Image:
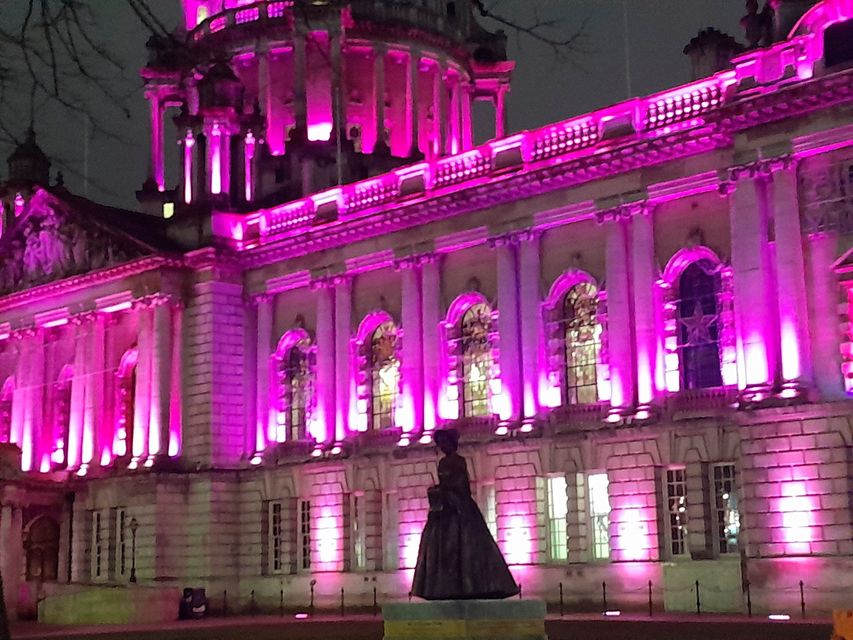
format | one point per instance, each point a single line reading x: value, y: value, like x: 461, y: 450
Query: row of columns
x: 91, y: 428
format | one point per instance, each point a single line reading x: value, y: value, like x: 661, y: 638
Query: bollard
x: 561, y: 599
x: 375, y: 603
x: 343, y: 610
x: 311, y: 603
x: 603, y: 595
x: 651, y: 605
x: 802, y: 601
x: 225, y: 602
x: 410, y: 597
x: 748, y: 600
x: 253, y: 605
x: 698, y: 601
x: 281, y: 602
x: 520, y: 591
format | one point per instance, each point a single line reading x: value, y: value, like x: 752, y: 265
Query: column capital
x: 760, y: 168
x: 158, y: 299
x: 257, y: 299
x: 624, y: 211
x: 511, y: 238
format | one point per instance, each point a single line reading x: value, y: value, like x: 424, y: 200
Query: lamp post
x: 134, y: 525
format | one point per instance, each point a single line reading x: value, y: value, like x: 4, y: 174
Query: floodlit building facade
x: 638, y: 319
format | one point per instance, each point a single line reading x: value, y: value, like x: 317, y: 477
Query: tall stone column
x: 431, y: 318
x: 176, y: 412
x: 11, y: 555
x: 158, y: 172
x: 142, y: 396
x: 300, y: 110
x: 532, y: 338
x: 161, y: 355
x: 752, y: 282
x: 265, y: 427
x: 619, y: 319
x: 413, y: 102
x: 508, y: 327
x: 343, y: 366
x: 500, y: 112
x: 791, y: 281
x: 467, y: 118
x: 78, y: 391
x: 441, y: 110
x: 325, y: 406
x: 379, y: 52
x: 33, y: 453
x: 644, y: 271
x: 94, y: 420
x: 823, y: 315
x: 412, y: 365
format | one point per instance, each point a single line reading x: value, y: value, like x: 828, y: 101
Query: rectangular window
x: 726, y: 508
x: 276, y: 538
x: 599, y: 515
x: 121, y: 542
x: 558, y: 546
x: 305, y: 535
x: 490, y: 509
x: 391, y: 532
x: 359, y: 533
x: 97, y: 546
x: 676, y: 501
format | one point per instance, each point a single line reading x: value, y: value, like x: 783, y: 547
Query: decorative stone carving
x: 50, y: 244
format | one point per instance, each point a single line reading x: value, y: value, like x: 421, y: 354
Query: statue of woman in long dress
x: 458, y: 559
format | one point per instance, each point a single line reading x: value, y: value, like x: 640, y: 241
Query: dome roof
x: 28, y: 163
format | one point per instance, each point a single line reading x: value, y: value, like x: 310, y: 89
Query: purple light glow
x: 796, y: 509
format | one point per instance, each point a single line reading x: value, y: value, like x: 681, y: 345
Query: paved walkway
x: 329, y: 627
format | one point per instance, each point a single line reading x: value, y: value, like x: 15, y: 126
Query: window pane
x: 676, y: 494
x: 726, y: 507
x: 305, y: 533
x: 557, y: 512
x: 385, y: 375
x: 476, y: 352
x: 699, y: 326
x: 599, y: 507
x: 582, y: 344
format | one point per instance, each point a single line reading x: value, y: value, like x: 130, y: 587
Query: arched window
x: 698, y: 317
x: 295, y: 383
x: 125, y: 403
x: 61, y: 408
x: 6, y: 410
x: 384, y: 375
x: 475, y: 350
x: 582, y: 336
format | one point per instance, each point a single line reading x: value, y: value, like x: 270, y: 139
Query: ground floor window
x: 599, y: 515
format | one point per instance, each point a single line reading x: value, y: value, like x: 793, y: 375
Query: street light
x: 134, y: 525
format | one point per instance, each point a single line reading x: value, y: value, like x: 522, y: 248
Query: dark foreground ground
x: 575, y: 627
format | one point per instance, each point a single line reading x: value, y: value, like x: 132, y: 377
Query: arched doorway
x: 42, y: 547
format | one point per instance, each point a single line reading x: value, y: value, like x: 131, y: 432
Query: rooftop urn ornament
x: 458, y: 559
x: 757, y: 25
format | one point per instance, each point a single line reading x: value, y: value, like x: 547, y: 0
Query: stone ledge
x: 463, y: 619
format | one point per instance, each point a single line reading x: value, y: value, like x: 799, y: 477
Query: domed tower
x: 280, y: 98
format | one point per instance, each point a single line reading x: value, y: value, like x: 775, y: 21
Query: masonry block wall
x: 214, y: 414
x: 330, y: 541
x: 520, y: 507
x: 412, y: 481
x: 213, y: 529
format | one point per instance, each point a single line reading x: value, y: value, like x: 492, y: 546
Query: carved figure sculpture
x: 757, y: 25
x: 458, y: 559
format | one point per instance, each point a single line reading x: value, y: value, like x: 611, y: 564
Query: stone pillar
x: 142, y: 404
x: 379, y: 52
x: 157, y: 160
x: 338, y: 88
x: 414, y: 100
x: 467, y: 119
x: 431, y: 318
x: 791, y: 281
x: 188, y: 179
x: 101, y: 434
x: 500, y: 112
x: 78, y: 391
x: 265, y: 97
x: 325, y: 429
x: 441, y: 111
x: 161, y: 355
x: 176, y: 411
x: 619, y: 319
x: 752, y: 282
x: 343, y: 335
x: 11, y: 555
x: 265, y: 429
x: 644, y: 271
x: 508, y: 328
x: 823, y: 315
x: 412, y: 365
x: 532, y: 338
x: 300, y: 112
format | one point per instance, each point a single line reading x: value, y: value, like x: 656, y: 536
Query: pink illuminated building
x: 637, y: 318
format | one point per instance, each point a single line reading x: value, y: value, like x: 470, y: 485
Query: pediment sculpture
x: 49, y: 244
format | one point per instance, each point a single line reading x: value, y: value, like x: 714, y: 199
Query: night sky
x: 544, y: 90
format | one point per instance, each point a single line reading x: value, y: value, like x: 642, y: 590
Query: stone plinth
x: 463, y: 619
x: 111, y: 605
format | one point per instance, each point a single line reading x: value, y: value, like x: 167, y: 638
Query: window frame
x: 556, y: 525
x: 592, y: 518
x: 677, y: 510
x: 721, y: 512
x: 303, y: 538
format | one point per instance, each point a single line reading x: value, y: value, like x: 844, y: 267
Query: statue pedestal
x: 463, y: 619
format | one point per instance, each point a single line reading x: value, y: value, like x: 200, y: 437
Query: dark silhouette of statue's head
x: 447, y: 440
